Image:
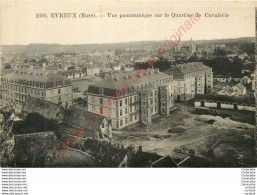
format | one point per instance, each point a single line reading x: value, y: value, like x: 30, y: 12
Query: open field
x: 227, y: 143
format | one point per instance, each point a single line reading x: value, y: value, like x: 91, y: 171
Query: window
x: 155, y: 92
x: 126, y: 101
x: 130, y: 99
x: 117, y: 124
x: 93, y: 108
x: 126, y: 121
x: 155, y: 100
x: 151, y: 101
x: 117, y: 114
x: 101, y: 110
x: 120, y: 112
x: 120, y: 102
x: 135, y: 98
x: 103, y: 125
x: 101, y: 101
x: 135, y: 117
x: 126, y: 110
x: 121, y: 122
x: 93, y: 100
x: 60, y: 99
x: 151, y: 110
x: 59, y: 91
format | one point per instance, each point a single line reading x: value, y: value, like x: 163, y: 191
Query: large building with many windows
x: 190, y: 79
x: 141, y: 97
x: 18, y: 85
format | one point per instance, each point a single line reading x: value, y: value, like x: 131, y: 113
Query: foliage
x: 230, y: 99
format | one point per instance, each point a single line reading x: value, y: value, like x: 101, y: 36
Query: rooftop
x: 38, y: 76
x: 116, y: 80
x: 180, y: 70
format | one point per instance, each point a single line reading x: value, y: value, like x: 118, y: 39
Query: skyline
x: 126, y: 42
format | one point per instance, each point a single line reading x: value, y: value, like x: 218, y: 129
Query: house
x: 239, y: 89
x: 245, y: 80
x: 97, y: 125
x: 227, y: 90
x: 93, y: 71
x: 222, y: 78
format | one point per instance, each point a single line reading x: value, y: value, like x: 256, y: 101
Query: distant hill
x: 56, y: 48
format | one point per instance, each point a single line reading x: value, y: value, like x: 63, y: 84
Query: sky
x: 19, y: 25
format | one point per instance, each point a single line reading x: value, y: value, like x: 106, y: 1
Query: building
x: 151, y: 94
x: 222, y: 78
x: 239, y: 89
x: 19, y: 85
x: 78, y: 118
x: 92, y: 71
x: 188, y: 47
x: 190, y: 79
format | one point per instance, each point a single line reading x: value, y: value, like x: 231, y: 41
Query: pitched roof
x: 192, y: 67
x: 240, y: 86
x: 79, y: 117
x: 47, y: 109
x: 115, y: 80
x: 180, y: 70
x: 35, y: 75
x: 176, y: 72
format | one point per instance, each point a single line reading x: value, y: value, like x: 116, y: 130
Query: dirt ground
x: 225, y: 142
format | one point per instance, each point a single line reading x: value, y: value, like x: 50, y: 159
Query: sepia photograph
x: 128, y: 84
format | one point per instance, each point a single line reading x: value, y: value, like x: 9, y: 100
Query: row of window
x: 33, y: 83
x: 117, y: 112
x: 152, y: 101
x: 123, y: 122
x: 126, y: 101
x: 153, y: 110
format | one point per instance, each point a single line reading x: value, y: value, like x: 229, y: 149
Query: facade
x: 19, y: 85
x: 93, y: 71
x: 222, y: 78
x: 150, y: 95
x: 190, y: 79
